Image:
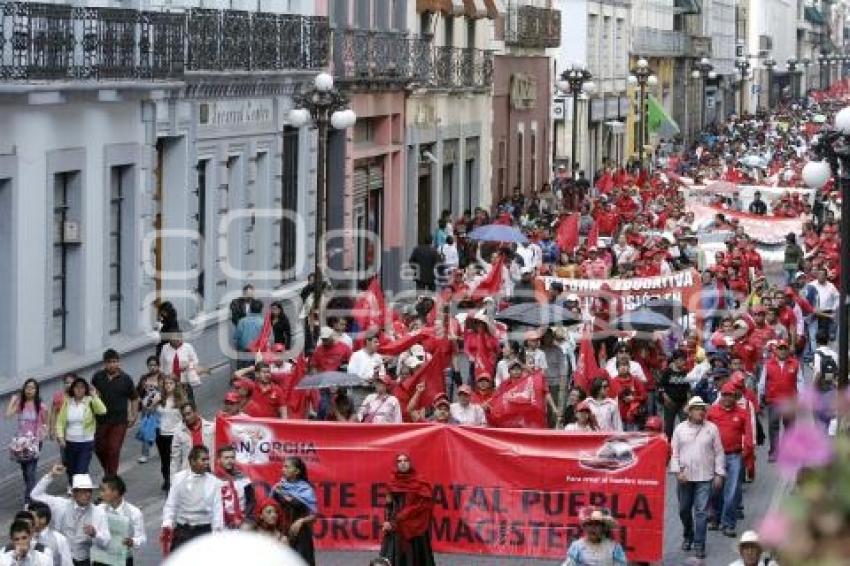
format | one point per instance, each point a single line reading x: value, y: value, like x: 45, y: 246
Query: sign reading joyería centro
x: 236, y: 113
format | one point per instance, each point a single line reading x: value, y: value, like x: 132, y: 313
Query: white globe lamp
x: 652, y: 80
x: 324, y: 82
x: 842, y: 120
x: 816, y: 174
x: 299, y: 117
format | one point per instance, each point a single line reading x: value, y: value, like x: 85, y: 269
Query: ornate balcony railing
x: 529, y: 26
x: 651, y: 42
x: 60, y: 42
x: 373, y: 59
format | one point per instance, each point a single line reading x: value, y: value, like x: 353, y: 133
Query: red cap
x: 232, y: 397
x: 653, y: 424
x: 729, y: 387
x: 782, y: 343
x: 441, y: 401
x: 758, y: 309
x: 278, y: 348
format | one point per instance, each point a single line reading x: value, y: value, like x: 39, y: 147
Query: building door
x: 367, y: 206
x: 423, y: 203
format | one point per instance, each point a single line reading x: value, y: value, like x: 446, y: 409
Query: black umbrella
x: 671, y: 308
x: 642, y: 321
x: 535, y: 314
x: 332, y: 379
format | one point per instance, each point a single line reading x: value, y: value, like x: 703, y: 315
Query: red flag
x: 567, y: 236
x: 482, y: 348
x: 592, y: 239
x: 491, y: 284
x: 297, y: 400
x: 370, y: 309
x: 519, y: 404
x: 396, y: 347
x: 587, y: 367
x: 605, y: 183
x: 431, y: 374
x: 262, y: 341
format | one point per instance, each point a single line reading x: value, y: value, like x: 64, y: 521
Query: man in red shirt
x: 331, y: 353
x: 736, y: 435
x: 778, y: 385
x: 267, y: 399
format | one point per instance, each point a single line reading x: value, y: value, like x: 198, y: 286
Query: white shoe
x: 142, y: 459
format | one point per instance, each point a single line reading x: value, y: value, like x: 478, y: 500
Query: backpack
x: 828, y: 368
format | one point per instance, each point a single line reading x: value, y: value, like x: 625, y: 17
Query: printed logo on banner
x: 257, y: 444
x: 617, y: 454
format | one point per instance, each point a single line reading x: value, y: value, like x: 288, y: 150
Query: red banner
x: 496, y: 491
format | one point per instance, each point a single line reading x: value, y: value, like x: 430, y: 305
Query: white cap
x: 326, y: 333
x: 81, y: 481
x: 750, y: 537
x: 412, y: 362
x: 696, y: 401
x: 417, y: 350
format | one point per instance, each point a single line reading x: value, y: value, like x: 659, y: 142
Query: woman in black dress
x: 407, y: 536
x: 298, y: 501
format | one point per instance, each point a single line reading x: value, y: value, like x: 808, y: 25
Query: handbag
x: 24, y: 448
x: 148, y: 427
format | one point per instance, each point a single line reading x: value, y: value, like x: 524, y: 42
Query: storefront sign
x: 521, y: 501
x: 523, y: 91
x: 236, y: 113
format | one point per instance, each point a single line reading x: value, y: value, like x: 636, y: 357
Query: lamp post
x: 325, y: 106
x: 575, y: 80
x: 792, y: 71
x: 703, y: 70
x: 804, y: 86
x: 832, y: 153
x: 769, y: 64
x: 823, y: 62
x: 642, y: 76
x: 743, y: 66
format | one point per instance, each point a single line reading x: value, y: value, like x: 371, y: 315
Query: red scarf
x: 175, y: 364
x: 414, y: 518
x: 197, y: 433
x: 233, y: 514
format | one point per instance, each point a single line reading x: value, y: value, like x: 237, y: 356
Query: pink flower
x: 774, y: 528
x: 804, y: 445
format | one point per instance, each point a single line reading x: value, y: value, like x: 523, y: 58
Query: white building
x: 606, y: 28
x: 152, y: 165
x: 771, y: 32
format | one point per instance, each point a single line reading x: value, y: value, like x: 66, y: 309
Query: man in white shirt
x: 52, y: 540
x: 366, y: 361
x: 193, y: 507
x: 178, y: 358
x: 824, y: 297
x: 340, y: 326
x: 451, y: 257
x: 82, y: 523
x: 20, y: 551
x: 624, y: 355
x: 380, y: 406
x: 194, y: 431
x: 464, y: 412
x: 112, y: 490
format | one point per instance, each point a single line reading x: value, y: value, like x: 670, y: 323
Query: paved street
x: 144, y: 485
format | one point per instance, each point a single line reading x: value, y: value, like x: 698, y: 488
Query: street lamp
x: 704, y: 70
x: 769, y: 64
x: 795, y: 75
x: 743, y: 66
x: 823, y: 62
x: 575, y: 80
x: 832, y: 153
x: 642, y: 76
x: 804, y: 86
x: 325, y: 106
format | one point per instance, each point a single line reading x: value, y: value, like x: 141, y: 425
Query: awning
x: 813, y: 15
x: 444, y: 6
x: 475, y: 9
x: 494, y: 8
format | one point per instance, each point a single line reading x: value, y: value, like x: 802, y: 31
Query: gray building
x: 145, y: 157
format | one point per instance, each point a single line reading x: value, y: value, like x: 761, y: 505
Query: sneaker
x: 771, y: 458
x: 729, y: 533
x: 713, y: 526
x: 699, y: 552
x: 142, y: 459
x: 687, y: 545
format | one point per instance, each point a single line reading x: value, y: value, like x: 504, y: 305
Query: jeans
x: 108, y: 440
x: 693, y: 510
x: 775, y: 418
x: 78, y: 457
x: 725, y: 501
x: 28, y: 469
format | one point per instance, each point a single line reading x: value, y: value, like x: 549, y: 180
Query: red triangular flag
x: 592, y: 239
x: 567, y: 236
x: 605, y: 183
x: 370, y: 309
x: 519, y: 404
x: 491, y: 284
x: 262, y: 341
x: 586, y: 366
x: 431, y: 374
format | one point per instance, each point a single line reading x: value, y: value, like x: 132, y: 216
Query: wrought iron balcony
x: 374, y: 59
x: 61, y: 42
x: 651, y: 42
x: 529, y: 26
